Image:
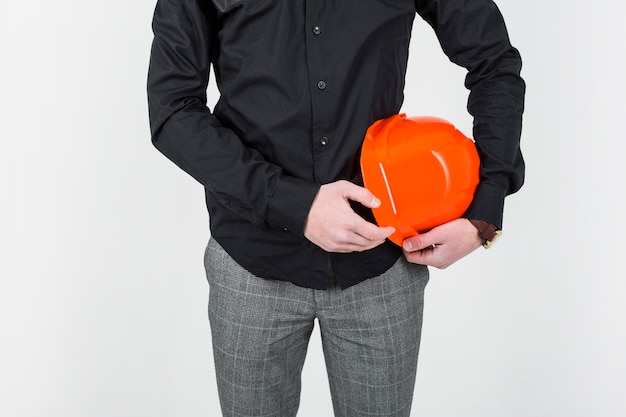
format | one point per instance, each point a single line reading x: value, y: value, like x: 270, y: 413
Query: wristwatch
x: 487, y: 232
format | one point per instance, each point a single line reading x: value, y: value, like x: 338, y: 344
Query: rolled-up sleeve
x: 473, y: 35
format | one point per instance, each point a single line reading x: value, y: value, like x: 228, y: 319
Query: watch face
x: 490, y: 242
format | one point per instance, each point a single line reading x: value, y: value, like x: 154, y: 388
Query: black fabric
x: 300, y: 82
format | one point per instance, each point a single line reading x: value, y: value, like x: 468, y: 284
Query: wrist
x: 487, y: 232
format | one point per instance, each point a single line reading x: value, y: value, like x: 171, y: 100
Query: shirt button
x: 321, y: 85
x: 324, y: 141
x: 317, y: 30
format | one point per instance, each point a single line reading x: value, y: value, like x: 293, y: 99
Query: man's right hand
x: 335, y: 227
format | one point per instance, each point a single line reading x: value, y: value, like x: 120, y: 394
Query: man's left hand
x: 443, y: 245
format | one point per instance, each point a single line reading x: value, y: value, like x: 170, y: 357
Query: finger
x: 352, y: 243
x: 416, y: 257
x: 419, y: 242
x: 362, y: 246
x: 370, y: 231
x: 365, y: 236
x: 422, y: 257
x: 362, y: 195
x: 358, y: 243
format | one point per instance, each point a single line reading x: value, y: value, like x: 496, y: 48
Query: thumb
x: 418, y: 242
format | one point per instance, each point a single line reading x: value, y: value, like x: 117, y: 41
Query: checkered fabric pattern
x: 261, y: 328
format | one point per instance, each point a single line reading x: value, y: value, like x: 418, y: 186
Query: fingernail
x: 408, y: 245
x: 375, y: 202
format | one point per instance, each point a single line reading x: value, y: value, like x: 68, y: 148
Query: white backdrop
x: 102, y: 288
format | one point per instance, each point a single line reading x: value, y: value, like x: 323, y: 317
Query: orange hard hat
x: 422, y: 169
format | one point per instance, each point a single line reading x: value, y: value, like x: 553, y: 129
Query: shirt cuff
x: 487, y: 205
x: 290, y: 204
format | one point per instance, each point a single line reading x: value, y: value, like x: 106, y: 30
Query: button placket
x: 320, y: 83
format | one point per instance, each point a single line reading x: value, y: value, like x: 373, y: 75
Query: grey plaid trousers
x: 260, y: 332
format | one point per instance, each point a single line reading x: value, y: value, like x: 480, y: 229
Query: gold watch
x: 487, y: 232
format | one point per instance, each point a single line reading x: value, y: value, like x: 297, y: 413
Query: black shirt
x: 300, y: 81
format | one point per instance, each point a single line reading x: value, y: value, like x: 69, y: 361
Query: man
x: 292, y: 234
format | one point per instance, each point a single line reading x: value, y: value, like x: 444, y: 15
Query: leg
x: 371, y: 335
x: 260, y: 331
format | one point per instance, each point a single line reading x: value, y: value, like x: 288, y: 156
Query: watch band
x: 487, y: 232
